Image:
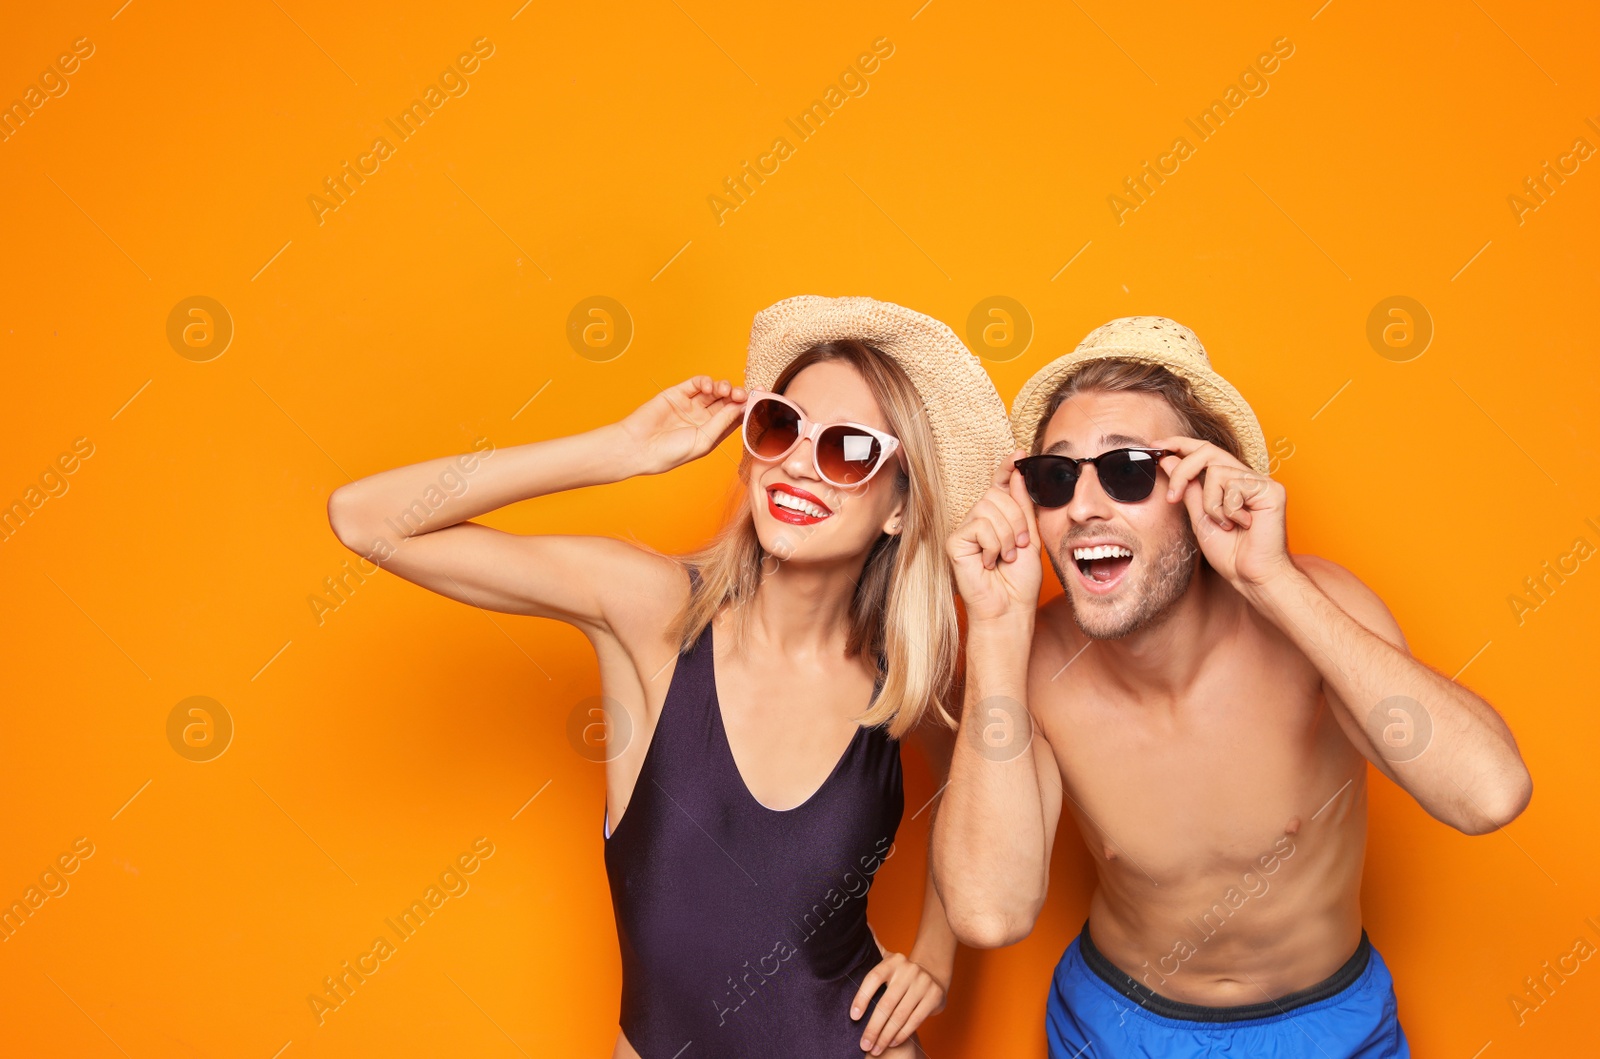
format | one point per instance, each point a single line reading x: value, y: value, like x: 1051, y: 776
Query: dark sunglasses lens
x: 771, y: 428
x: 1128, y: 475
x: 847, y: 455
x: 1050, y: 480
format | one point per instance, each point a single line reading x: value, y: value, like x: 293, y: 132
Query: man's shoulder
x: 1323, y: 572
x: 1342, y: 586
x: 1056, y: 637
x: 1051, y: 624
x: 1351, y: 594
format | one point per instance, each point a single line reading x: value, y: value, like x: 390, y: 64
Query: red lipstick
x: 793, y: 516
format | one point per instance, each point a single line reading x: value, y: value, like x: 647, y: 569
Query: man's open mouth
x: 1101, y: 566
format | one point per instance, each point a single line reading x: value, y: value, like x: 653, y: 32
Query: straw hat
x: 1148, y: 340
x: 967, y: 416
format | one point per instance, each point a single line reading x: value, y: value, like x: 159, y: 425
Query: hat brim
x: 1212, y: 390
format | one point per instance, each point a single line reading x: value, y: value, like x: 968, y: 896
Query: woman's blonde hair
x: 903, y: 613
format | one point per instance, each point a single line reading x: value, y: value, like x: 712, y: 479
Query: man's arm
x: 994, y: 832
x: 992, y: 835
x: 1444, y: 745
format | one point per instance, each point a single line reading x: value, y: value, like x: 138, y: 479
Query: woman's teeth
x: 795, y: 503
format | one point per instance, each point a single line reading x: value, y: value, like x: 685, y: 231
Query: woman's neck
x: 803, y: 609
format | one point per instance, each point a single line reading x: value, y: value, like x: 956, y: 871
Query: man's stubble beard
x: 1162, y: 582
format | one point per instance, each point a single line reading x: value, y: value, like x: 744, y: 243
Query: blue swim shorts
x: 1095, y: 1011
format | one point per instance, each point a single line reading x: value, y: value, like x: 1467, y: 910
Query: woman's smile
x: 791, y: 504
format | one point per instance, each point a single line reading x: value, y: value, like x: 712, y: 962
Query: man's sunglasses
x: 1127, y: 475
x: 844, y: 454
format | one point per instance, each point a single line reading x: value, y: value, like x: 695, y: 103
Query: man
x: 1205, y: 706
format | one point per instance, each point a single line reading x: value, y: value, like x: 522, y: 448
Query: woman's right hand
x: 683, y: 422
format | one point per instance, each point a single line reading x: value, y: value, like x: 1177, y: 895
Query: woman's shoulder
x: 642, y: 590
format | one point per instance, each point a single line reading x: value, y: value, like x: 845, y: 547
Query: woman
x: 764, y: 682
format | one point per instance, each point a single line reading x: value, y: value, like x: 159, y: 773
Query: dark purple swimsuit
x: 744, y: 929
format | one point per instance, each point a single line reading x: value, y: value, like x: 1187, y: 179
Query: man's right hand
x: 995, y: 551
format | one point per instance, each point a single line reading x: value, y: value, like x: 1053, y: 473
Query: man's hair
x: 1195, y: 420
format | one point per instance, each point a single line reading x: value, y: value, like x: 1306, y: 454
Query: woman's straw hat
x: 1147, y: 340
x: 968, y: 419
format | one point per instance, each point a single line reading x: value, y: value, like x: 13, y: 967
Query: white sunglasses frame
x: 810, y: 431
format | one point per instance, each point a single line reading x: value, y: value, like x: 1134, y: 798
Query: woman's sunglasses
x: 1127, y: 475
x: 844, y: 454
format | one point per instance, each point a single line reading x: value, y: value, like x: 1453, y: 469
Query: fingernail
x: 855, y: 1013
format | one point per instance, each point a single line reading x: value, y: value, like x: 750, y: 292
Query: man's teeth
x: 1102, y: 551
x: 795, y: 503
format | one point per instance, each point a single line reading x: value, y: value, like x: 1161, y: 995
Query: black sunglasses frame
x: 1077, y: 463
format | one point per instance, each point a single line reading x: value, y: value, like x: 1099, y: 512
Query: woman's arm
x: 935, y: 947
x: 918, y: 983
x: 414, y: 520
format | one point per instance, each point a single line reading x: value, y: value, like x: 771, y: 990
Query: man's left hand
x: 1237, y: 514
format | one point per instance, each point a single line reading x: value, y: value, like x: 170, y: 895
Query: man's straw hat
x: 967, y: 416
x: 1147, y: 340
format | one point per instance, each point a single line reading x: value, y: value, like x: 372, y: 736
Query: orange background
x: 373, y: 747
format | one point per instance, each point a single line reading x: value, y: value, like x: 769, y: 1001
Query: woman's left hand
x: 912, y: 995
